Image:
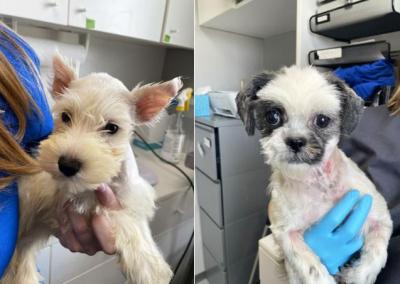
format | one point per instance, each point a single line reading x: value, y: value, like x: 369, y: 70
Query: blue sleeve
x: 9, y: 223
x: 39, y: 126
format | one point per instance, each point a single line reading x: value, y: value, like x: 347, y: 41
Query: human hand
x: 336, y: 237
x: 79, y: 233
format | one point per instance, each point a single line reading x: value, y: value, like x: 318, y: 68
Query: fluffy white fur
x: 302, y: 193
x: 91, y: 102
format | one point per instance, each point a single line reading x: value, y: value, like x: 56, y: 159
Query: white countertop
x: 170, y: 180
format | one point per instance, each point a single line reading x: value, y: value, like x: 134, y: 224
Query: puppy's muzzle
x: 69, y: 166
x: 296, y: 144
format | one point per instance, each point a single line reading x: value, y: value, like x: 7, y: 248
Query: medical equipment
x: 174, y: 138
x: 223, y: 103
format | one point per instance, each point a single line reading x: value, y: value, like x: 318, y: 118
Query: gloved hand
x: 336, y: 237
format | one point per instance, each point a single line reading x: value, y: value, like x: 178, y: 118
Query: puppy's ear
x: 247, y: 98
x: 352, y: 106
x: 64, y: 74
x: 150, y: 100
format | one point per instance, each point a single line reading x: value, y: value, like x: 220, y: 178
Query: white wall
x: 130, y: 62
x: 179, y: 62
x: 279, y: 51
x: 223, y: 59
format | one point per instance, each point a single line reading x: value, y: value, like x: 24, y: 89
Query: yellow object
x: 184, y: 100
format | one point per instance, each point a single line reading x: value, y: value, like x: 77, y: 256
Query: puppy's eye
x: 65, y: 117
x: 273, y: 117
x: 111, y: 128
x: 322, y: 121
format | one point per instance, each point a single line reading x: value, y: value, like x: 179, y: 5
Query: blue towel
x: 366, y: 79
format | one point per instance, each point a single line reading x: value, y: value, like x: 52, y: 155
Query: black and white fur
x: 301, y: 114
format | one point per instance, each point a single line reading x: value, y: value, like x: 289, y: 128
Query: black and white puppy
x: 301, y: 114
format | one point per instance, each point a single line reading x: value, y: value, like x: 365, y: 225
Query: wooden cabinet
x: 52, y: 11
x: 178, y: 26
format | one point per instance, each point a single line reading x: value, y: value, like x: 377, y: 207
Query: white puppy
x: 94, y: 120
x: 301, y: 114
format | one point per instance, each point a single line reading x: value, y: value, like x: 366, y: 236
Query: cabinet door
x: 178, y: 29
x: 52, y: 11
x: 147, y: 19
x: 77, y: 13
x: 133, y: 18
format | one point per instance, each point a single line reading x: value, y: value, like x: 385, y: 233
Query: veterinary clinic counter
x: 170, y: 181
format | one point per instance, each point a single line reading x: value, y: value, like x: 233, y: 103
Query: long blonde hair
x: 14, y: 161
x: 394, y: 102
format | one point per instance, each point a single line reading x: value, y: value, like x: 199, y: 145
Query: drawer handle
x: 81, y: 10
x: 207, y: 142
x: 52, y: 3
x: 200, y: 149
x: 179, y: 211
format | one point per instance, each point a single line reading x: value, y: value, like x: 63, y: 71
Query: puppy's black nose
x: 296, y: 144
x: 69, y: 166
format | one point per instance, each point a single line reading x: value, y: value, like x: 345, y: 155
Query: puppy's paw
x: 319, y: 275
x: 360, y: 274
x: 163, y: 273
x: 159, y: 273
x: 309, y: 272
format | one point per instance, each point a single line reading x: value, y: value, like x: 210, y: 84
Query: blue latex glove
x: 336, y: 237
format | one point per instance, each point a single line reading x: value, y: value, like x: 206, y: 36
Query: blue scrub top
x: 38, y: 128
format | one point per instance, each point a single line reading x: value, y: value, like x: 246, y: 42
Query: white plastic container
x: 174, y: 141
x: 173, y: 146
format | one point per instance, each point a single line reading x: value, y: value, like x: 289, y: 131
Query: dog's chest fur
x: 310, y: 194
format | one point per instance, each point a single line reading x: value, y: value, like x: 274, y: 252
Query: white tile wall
x: 105, y: 273
x: 172, y: 211
x: 66, y: 265
x: 43, y: 262
x: 173, y: 241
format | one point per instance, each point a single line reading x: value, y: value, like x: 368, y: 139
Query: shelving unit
x: 350, y: 54
x: 357, y: 19
x: 308, y: 41
x: 278, y: 17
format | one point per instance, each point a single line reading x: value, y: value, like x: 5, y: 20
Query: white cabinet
x: 52, y: 11
x: 147, y: 19
x: 130, y: 18
x: 133, y: 18
x: 77, y: 13
x: 178, y: 27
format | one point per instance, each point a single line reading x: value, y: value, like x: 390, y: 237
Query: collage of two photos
x: 96, y: 141
x: 199, y: 141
